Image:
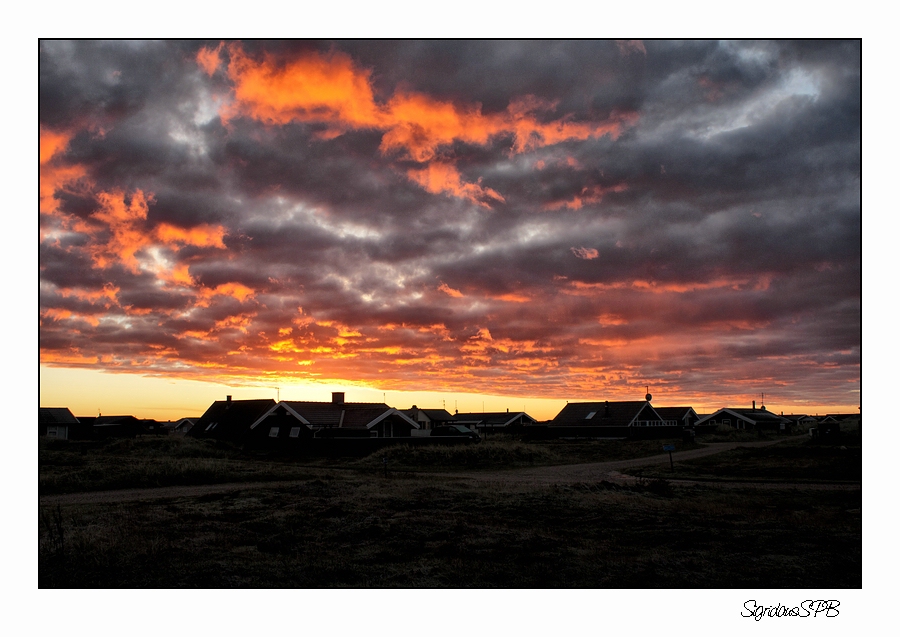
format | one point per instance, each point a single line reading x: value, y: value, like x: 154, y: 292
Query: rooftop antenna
x: 648, y: 397
x: 763, y: 405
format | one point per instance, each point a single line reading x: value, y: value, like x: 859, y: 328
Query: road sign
x: 668, y: 447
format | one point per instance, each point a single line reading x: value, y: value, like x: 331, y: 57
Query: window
x: 590, y: 415
x: 273, y: 432
x: 295, y: 432
x: 726, y: 421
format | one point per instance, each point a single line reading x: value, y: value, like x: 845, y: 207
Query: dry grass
x: 401, y: 531
x: 796, y: 460
x: 357, y: 528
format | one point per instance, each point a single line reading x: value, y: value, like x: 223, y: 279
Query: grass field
x: 350, y: 526
x: 796, y: 460
x: 159, y: 462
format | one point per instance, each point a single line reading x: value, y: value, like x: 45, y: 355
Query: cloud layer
x: 555, y: 219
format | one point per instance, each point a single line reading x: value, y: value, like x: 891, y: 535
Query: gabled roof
x: 112, y: 421
x: 752, y: 416
x: 441, y: 415
x: 436, y: 415
x: 839, y: 417
x: 229, y: 419
x: 492, y: 418
x: 674, y: 413
x: 798, y: 417
x: 349, y: 415
x: 56, y: 416
x: 606, y: 413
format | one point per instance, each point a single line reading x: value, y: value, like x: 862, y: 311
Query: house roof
x: 229, y: 419
x: 494, y: 418
x: 840, y: 417
x: 438, y: 415
x: 750, y: 415
x: 111, y: 421
x: 606, y: 413
x: 56, y: 416
x: 330, y: 414
x: 674, y: 413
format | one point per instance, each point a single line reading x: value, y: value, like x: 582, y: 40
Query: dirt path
x: 538, y: 476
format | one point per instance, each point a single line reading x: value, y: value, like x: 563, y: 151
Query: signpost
x: 670, y: 449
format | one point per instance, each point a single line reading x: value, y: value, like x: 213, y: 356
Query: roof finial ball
x: 648, y: 397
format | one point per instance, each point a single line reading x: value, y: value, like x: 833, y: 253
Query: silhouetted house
x: 847, y: 421
x: 755, y: 419
x: 115, y: 426
x: 153, y: 427
x: 678, y: 416
x: 494, y: 422
x: 59, y: 423
x: 181, y: 427
x: 831, y: 425
x: 291, y: 419
x: 428, y: 418
x: 801, y: 422
x: 610, y: 419
x: 230, y: 419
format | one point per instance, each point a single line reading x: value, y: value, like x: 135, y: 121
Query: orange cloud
x: 235, y: 290
x: 513, y: 298
x: 329, y: 89
x: 325, y: 88
x: 419, y: 125
x: 588, y: 196
x: 204, y: 236
x: 585, y: 253
x: 450, y: 291
x: 109, y: 291
x: 124, y: 220
x: 444, y: 178
x: 52, y: 143
x: 55, y: 175
x: 119, y: 234
x: 208, y: 59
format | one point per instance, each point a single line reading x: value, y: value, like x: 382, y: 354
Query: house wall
x: 60, y: 432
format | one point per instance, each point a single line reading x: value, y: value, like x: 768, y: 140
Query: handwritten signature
x: 806, y: 608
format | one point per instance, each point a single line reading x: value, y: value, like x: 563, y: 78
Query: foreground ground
x: 464, y: 524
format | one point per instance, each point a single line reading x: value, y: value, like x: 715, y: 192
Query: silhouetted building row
x: 254, y: 421
x: 60, y: 423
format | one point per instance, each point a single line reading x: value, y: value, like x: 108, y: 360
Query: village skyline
x: 471, y: 225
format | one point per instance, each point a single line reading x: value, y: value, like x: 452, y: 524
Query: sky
x: 461, y: 224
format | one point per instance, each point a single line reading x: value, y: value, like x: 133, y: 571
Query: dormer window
x: 590, y: 415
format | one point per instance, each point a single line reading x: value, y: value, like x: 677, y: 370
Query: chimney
x: 754, y: 405
x: 337, y: 398
x: 228, y: 398
x: 606, y: 409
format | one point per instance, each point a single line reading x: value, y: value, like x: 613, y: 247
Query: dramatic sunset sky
x: 452, y: 224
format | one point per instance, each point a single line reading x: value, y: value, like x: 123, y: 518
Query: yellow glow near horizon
x: 87, y: 392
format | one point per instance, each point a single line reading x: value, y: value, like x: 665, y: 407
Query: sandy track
x: 592, y: 472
